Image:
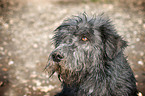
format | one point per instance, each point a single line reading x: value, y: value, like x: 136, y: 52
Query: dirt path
x: 26, y: 28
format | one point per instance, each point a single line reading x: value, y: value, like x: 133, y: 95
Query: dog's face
x: 82, y: 43
x: 77, y: 46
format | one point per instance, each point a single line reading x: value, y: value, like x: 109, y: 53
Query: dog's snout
x: 57, y: 57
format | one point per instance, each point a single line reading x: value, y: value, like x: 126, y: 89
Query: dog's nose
x: 57, y: 57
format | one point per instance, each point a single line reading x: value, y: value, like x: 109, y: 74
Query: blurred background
x: 26, y: 29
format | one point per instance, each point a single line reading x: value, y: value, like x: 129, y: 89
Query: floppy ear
x: 113, y: 45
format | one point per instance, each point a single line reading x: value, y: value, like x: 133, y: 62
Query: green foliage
x: 95, y: 0
x: 105, y: 1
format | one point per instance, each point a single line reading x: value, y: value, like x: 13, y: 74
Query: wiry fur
x: 96, y: 67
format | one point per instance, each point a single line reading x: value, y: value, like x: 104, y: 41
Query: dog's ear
x: 113, y: 43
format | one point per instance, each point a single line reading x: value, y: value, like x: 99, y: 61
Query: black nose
x: 57, y: 57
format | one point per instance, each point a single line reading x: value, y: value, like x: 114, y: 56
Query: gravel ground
x: 26, y: 29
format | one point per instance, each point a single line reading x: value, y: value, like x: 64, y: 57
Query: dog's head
x: 82, y: 44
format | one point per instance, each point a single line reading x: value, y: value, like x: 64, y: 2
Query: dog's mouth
x: 53, y: 67
x: 63, y: 65
x: 65, y: 74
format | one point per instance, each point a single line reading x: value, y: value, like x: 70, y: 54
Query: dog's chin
x: 67, y: 74
x: 70, y: 77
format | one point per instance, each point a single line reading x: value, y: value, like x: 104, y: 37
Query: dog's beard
x: 65, y: 73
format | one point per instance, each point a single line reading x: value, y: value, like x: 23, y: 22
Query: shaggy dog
x: 89, y: 59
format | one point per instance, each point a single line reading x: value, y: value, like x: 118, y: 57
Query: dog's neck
x: 88, y: 84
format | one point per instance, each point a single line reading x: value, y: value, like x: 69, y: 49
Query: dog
x: 89, y: 58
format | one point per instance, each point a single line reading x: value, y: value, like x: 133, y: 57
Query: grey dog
x: 89, y: 59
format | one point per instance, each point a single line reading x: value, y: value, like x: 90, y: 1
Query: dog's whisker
x: 47, y: 65
x: 59, y: 78
x: 52, y: 73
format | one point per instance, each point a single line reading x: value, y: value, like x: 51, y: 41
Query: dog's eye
x: 84, y: 38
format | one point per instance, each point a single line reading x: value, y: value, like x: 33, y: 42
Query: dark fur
x: 96, y: 67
